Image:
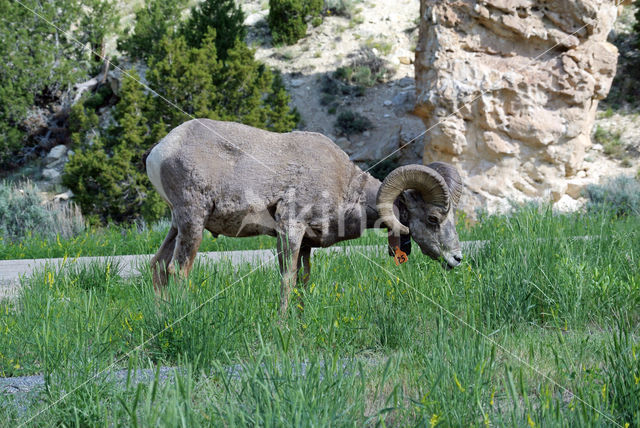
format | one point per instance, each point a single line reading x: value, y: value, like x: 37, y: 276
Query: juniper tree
x: 183, y: 77
x: 155, y: 20
x: 36, y: 59
x: 636, y: 26
x: 105, y: 174
x: 188, y: 82
x: 99, y: 19
x: 288, y: 18
x: 222, y: 15
x: 239, y: 89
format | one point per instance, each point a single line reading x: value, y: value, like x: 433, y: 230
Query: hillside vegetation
x: 199, y: 66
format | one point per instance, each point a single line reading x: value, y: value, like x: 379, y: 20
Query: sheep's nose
x: 457, y: 257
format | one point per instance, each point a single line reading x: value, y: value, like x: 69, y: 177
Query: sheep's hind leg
x: 187, y: 244
x: 289, y: 242
x: 162, y: 260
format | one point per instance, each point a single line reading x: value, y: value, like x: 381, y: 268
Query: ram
x: 300, y: 187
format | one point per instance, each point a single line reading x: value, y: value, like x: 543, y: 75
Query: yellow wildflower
x: 455, y: 378
x: 434, y: 420
x: 530, y: 421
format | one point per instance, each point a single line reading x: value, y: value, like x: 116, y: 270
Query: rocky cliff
x: 509, y: 90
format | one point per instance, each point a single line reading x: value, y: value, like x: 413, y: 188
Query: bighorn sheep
x: 300, y: 187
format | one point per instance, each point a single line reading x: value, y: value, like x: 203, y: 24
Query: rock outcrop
x: 508, y: 90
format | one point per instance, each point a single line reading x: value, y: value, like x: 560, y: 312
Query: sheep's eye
x: 432, y: 220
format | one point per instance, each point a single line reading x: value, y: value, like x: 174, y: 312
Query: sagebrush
x: 24, y: 213
x: 620, y: 194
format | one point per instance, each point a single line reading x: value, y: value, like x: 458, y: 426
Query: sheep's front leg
x: 289, y: 242
x: 304, y: 261
x: 305, y: 257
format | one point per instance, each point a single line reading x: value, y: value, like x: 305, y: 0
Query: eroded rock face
x: 516, y: 85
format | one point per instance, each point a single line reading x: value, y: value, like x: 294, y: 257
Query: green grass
x: 117, y: 240
x: 526, y: 331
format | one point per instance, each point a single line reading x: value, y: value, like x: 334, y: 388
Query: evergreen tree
x: 83, y: 122
x: 131, y: 111
x: 191, y: 82
x: 99, y: 19
x: 287, y: 21
x: 155, y: 20
x: 636, y: 26
x: 35, y: 59
x: 280, y: 117
x: 105, y: 174
x: 222, y: 15
x: 288, y: 18
x: 183, y: 77
x: 241, y: 89
x: 242, y: 85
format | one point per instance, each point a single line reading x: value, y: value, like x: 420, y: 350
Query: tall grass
x: 537, y: 328
x: 116, y: 240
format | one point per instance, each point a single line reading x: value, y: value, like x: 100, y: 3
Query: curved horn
x: 426, y: 180
x: 452, y: 178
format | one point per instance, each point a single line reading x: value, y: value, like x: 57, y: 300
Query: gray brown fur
x: 300, y: 187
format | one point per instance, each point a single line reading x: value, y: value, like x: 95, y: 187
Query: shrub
x: 157, y: 19
x: 288, y: 18
x: 343, y: 73
x: 621, y: 194
x: 349, y: 123
x: 380, y: 170
x: 364, y: 71
x: 224, y: 16
x: 104, y: 174
x: 331, y: 86
x: 286, y: 21
x: 636, y: 27
x: 369, y: 68
x: 37, y: 62
x: 23, y: 212
x: 340, y: 8
x: 611, y: 142
x: 109, y: 187
x: 327, y: 99
x: 99, y: 98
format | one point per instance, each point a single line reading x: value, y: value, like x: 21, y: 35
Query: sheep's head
x: 430, y: 194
